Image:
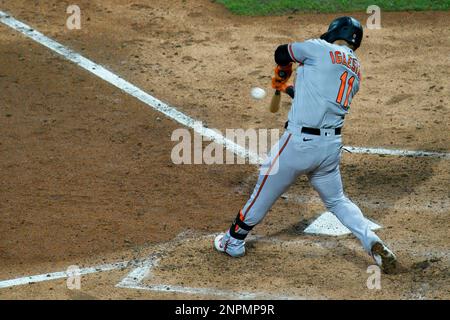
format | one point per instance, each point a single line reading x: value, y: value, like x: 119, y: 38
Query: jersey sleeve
x: 302, y: 51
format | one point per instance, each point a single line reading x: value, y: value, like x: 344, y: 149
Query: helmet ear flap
x: 327, y: 37
x: 323, y: 36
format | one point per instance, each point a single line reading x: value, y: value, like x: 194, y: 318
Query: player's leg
x: 328, y: 183
x: 274, y: 179
x: 329, y: 186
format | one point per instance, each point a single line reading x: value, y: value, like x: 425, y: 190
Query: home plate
x: 328, y: 224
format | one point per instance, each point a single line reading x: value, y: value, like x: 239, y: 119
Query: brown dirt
x: 86, y: 175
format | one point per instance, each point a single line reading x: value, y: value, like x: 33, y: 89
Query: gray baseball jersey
x: 325, y: 84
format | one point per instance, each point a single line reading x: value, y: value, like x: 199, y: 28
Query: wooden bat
x: 276, y: 101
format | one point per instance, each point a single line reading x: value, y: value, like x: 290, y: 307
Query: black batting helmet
x: 344, y: 28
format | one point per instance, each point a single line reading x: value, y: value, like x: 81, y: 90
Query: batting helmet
x: 344, y: 28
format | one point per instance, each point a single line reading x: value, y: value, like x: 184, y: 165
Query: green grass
x: 276, y: 7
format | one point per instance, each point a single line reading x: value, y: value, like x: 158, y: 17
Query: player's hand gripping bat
x: 279, y: 83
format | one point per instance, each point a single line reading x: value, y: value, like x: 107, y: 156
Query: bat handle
x: 275, y: 103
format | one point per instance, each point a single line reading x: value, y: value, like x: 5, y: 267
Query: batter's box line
x: 134, y: 279
x: 115, y: 266
x: 64, y: 274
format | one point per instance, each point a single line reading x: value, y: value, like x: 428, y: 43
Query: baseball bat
x: 275, y: 103
x: 276, y: 99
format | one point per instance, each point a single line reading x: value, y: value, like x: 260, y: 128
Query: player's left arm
x: 283, y: 71
x: 282, y: 56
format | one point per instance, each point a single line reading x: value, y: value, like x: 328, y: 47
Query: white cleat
x: 224, y: 243
x: 218, y: 243
x: 384, y: 257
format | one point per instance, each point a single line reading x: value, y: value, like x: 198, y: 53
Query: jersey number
x: 342, y: 88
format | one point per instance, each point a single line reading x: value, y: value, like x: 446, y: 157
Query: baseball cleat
x: 224, y: 243
x: 384, y: 257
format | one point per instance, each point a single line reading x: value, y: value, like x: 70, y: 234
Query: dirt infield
x: 86, y: 176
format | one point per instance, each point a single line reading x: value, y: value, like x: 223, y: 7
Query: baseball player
x: 327, y: 79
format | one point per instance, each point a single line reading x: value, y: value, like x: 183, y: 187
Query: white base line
x: 164, y: 108
x: 126, y: 86
x: 401, y: 153
x: 162, y: 288
x: 62, y: 274
x: 138, y: 274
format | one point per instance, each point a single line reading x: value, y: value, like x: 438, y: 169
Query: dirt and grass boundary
x: 279, y: 7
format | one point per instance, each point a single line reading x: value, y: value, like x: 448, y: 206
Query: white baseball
x: 258, y: 93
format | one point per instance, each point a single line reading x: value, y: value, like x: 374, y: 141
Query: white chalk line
x: 63, y: 274
x: 141, y: 267
x: 137, y: 275
x: 162, y: 107
x: 396, y: 152
x: 213, y: 292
